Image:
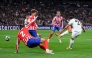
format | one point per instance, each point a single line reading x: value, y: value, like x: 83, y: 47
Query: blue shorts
x: 33, y: 42
x: 33, y: 33
x: 54, y: 28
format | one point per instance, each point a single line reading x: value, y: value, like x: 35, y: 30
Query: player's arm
x: 17, y: 45
x: 83, y: 28
x: 69, y: 24
x: 53, y: 21
x: 32, y: 20
x: 36, y: 25
x: 65, y: 27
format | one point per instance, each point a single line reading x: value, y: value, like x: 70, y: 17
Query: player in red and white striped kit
x: 33, y: 26
x: 31, y: 41
x: 57, y: 23
x: 32, y: 19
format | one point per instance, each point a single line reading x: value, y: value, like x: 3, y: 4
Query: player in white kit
x: 77, y: 28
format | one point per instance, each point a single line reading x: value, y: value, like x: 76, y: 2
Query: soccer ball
x: 7, y: 38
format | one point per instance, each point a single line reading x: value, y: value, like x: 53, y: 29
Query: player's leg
x: 72, y: 40
x: 33, y: 33
x: 60, y: 30
x: 64, y: 33
x: 42, y: 46
x: 74, y: 35
x: 51, y: 34
x: 34, y: 42
x: 45, y: 46
x: 68, y: 29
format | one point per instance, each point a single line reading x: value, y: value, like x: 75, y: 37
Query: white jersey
x: 76, y: 24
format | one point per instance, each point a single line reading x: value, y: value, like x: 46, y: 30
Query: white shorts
x: 75, y: 34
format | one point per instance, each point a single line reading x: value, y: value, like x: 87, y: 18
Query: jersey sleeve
x: 36, y: 25
x: 31, y: 20
x: 70, y: 22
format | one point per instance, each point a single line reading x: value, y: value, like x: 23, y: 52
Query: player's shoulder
x: 61, y: 16
x: 73, y: 19
x: 31, y: 16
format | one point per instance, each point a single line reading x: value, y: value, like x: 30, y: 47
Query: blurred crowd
x: 13, y: 12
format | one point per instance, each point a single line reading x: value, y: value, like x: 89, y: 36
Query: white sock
x: 64, y: 33
x: 47, y: 50
x: 71, y: 43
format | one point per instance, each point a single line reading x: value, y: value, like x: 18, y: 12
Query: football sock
x: 42, y: 47
x: 64, y: 33
x: 46, y: 44
x: 71, y: 43
x: 50, y: 36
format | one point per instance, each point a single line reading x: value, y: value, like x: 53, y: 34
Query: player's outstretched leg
x: 45, y: 46
x: 64, y: 33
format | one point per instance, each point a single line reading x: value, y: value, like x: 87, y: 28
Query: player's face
x: 58, y: 14
x: 35, y: 13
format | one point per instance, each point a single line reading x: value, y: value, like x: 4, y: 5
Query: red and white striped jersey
x: 32, y: 23
x: 57, y: 21
x: 24, y: 35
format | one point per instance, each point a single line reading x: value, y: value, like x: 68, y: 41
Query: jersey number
x: 78, y: 22
x: 22, y: 33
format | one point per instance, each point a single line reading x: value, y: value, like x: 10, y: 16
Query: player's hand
x: 36, y: 17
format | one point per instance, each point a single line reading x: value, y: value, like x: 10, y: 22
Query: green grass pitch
x: 82, y: 47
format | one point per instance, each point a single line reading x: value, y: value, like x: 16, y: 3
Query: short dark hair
x: 58, y: 11
x: 70, y: 17
x: 34, y: 10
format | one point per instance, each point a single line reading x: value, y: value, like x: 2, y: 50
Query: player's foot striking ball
x: 77, y: 28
